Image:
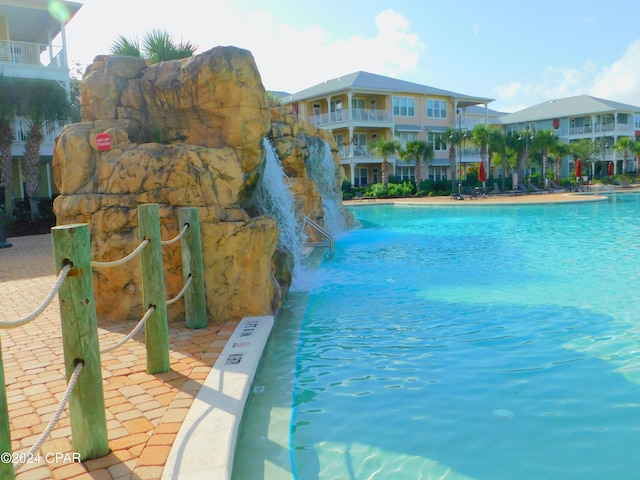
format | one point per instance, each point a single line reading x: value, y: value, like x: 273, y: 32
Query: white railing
x: 346, y: 115
x: 359, y: 151
x: 609, y: 127
x: 50, y: 130
x: 25, y: 53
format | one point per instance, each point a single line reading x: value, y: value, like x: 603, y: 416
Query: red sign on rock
x: 103, y: 141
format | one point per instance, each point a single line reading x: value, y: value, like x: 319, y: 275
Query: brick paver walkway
x: 144, y: 412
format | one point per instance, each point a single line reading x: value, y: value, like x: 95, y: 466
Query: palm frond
x: 126, y: 47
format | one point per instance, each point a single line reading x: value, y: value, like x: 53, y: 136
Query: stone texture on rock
x: 184, y: 133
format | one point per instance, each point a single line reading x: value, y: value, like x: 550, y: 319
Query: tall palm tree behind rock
x: 39, y: 101
x: 7, y: 136
x: 157, y: 46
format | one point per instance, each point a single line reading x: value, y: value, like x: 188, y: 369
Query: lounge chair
x: 522, y: 188
x: 472, y: 193
x: 535, y: 189
x: 360, y: 196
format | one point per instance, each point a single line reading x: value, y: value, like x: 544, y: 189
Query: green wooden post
x: 6, y: 467
x: 71, y: 243
x: 195, y: 306
x: 156, y: 329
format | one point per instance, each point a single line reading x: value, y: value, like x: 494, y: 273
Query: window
x: 436, y: 108
x: 406, y: 174
x: 637, y: 122
x: 403, y: 106
x: 437, y: 141
x: 361, y: 176
x: 359, y: 144
x: 406, y: 137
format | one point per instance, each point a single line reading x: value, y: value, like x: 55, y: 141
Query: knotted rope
x: 56, y: 286
x: 56, y: 415
x: 144, y: 243
x: 177, y: 237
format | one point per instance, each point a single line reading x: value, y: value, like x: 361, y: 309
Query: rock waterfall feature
x: 188, y: 133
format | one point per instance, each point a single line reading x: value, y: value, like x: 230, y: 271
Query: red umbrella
x: 610, y: 168
x: 482, y: 174
x: 578, y: 168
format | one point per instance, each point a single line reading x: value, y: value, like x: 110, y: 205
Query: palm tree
x: 417, y: 150
x: 157, y: 46
x: 558, y: 150
x: 7, y: 115
x: 39, y: 101
x: 583, y: 149
x: 635, y: 149
x: 624, y: 145
x: 383, y: 147
x: 456, y: 138
x: 481, y: 135
x: 543, y: 140
x: 519, y: 142
x: 498, y: 143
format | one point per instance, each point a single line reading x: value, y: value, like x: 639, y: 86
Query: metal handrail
x: 329, y: 238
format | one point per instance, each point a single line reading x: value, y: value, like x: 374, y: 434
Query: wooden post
x: 6, y: 467
x: 195, y: 306
x: 71, y: 243
x: 153, y: 290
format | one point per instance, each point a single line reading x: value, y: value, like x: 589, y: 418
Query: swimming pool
x: 459, y: 343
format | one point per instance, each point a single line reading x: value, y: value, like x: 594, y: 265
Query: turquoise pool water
x: 459, y: 343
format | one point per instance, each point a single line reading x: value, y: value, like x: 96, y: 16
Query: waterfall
x: 274, y: 198
x: 322, y: 170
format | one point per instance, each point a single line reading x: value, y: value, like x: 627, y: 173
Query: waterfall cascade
x: 322, y: 170
x: 274, y: 198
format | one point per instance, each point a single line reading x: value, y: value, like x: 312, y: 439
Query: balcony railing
x: 348, y: 115
x: 50, y: 130
x: 607, y: 127
x: 24, y: 53
x: 359, y: 151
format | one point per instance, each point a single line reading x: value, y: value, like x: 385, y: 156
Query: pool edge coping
x: 205, y: 443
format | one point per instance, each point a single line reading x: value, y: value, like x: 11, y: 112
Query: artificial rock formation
x: 184, y: 133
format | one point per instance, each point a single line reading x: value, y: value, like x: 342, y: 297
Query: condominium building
x: 362, y: 107
x: 572, y: 119
x: 33, y: 45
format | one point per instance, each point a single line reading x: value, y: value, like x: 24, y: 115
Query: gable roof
x: 567, y: 107
x: 363, y: 81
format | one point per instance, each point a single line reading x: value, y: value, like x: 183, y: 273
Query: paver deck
x: 144, y: 412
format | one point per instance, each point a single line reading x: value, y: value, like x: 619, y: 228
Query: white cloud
x: 621, y: 80
x: 307, y: 56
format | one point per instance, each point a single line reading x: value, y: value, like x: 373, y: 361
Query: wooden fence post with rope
x: 71, y: 244
x: 153, y: 290
x: 195, y: 307
x: 6, y: 468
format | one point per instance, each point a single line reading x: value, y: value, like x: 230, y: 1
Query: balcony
x: 358, y: 115
x: 24, y: 53
x: 50, y: 131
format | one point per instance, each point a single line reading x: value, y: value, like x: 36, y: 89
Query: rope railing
x: 123, y: 260
x: 181, y: 292
x: 45, y: 303
x: 177, y: 237
x: 135, y: 330
x: 72, y: 251
x: 55, y: 418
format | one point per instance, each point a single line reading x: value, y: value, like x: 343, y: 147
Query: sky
x: 517, y: 53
